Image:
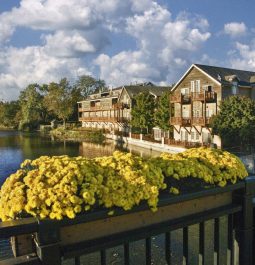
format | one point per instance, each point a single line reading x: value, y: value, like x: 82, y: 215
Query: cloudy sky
x: 120, y: 41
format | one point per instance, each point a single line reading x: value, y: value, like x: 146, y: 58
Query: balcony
x: 204, y: 96
x: 117, y: 106
x: 103, y: 119
x: 180, y: 121
x: 180, y: 98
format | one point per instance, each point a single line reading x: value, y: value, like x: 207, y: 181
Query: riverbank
x: 160, y: 147
x: 94, y: 136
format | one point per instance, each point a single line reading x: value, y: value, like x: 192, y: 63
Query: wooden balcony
x: 204, y: 96
x: 176, y: 98
x: 180, y: 121
x: 198, y: 121
x: 180, y: 98
x: 194, y: 121
x: 98, y: 108
x: 103, y: 119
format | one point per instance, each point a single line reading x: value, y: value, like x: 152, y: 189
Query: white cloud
x: 235, y: 29
x: 75, y: 32
x: 164, y: 48
x: 244, y: 56
x: 33, y: 64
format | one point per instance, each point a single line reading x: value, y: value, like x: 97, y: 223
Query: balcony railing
x: 204, y: 96
x: 180, y: 121
x: 117, y: 106
x: 195, y: 96
x: 103, y: 119
x: 195, y: 121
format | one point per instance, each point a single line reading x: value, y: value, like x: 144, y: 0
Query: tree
x: 32, y: 109
x: 87, y: 85
x: 8, y: 113
x: 142, y: 112
x: 162, y: 114
x: 59, y: 99
x: 235, y: 122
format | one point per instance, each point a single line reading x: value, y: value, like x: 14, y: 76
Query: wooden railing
x: 103, y: 119
x: 194, y: 96
x: 180, y: 121
x: 208, y: 226
x: 97, y: 108
x: 196, y: 121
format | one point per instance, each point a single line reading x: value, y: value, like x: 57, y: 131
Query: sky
x: 120, y: 41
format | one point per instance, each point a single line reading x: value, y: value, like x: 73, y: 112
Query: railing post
x: 48, y: 243
x: 246, y: 223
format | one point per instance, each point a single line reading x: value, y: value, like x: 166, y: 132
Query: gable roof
x: 222, y: 75
x: 225, y: 75
x: 157, y: 91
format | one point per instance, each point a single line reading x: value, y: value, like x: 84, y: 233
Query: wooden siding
x: 195, y: 74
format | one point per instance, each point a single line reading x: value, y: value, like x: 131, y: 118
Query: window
x: 197, y: 86
x: 197, y: 136
x: 192, y: 85
x: 192, y: 135
x: 185, y: 91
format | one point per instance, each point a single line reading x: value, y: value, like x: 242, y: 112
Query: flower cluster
x: 61, y: 186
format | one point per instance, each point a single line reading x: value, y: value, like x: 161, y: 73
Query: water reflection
x: 16, y: 147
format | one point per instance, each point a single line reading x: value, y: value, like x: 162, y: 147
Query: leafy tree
x: 162, y: 114
x: 32, y: 109
x: 142, y: 112
x: 8, y: 113
x: 235, y: 122
x: 59, y: 100
x: 87, y: 85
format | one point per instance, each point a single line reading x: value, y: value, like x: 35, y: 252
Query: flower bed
x: 62, y: 186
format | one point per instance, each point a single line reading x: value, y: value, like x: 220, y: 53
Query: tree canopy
x: 235, y: 122
x: 59, y: 100
x: 143, y: 111
x: 162, y: 113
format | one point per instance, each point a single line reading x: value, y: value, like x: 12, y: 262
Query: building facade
x: 196, y: 98
x: 111, y: 109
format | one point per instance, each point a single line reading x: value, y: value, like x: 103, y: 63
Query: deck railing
x: 210, y: 226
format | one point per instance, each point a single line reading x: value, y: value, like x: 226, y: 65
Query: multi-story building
x: 102, y: 110
x: 196, y: 98
x: 112, y: 109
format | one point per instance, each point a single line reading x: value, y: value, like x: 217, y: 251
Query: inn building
x: 196, y: 97
x: 111, y: 109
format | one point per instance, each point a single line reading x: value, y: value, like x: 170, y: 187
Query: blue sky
x: 120, y: 41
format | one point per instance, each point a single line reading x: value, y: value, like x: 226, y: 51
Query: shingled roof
x: 133, y: 90
x: 226, y: 75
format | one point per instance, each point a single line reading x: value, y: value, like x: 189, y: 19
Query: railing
x: 200, y: 121
x: 117, y: 106
x: 135, y: 135
x: 210, y: 226
x: 185, y: 144
x: 150, y: 138
x: 195, y: 96
x: 180, y: 121
x: 103, y: 119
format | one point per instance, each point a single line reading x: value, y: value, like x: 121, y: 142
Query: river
x: 17, y: 146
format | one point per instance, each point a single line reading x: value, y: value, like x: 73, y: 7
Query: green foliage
x: 235, y: 122
x: 32, y: 110
x: 162, y: 113
x: 9, y: 114
x: 59, y: 100
x: 142, y: 112
x: 87, y: 85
